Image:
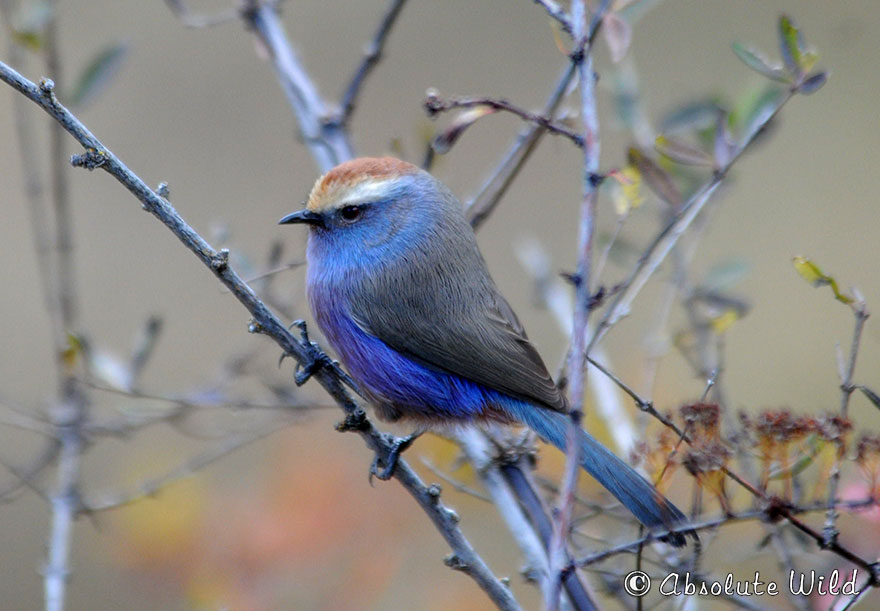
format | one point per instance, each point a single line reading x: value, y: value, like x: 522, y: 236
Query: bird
x: 398, y: 286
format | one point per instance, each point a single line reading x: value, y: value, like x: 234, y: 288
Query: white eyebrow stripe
x: 367, y: 190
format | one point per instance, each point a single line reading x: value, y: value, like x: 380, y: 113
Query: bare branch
x: 481, y: 205
x: 861, y: 313
x: 556, y: 12
x: 327, y: 141
x: 576, y: 369
x: 108, y: 501
x: 435, y: 105
x: 372, y: 56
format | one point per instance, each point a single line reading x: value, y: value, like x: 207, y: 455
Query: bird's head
x: 374, y: 207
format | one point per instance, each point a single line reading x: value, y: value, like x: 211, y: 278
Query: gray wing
x: 456, y: 322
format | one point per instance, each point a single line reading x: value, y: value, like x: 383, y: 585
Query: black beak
x: 303, y: 216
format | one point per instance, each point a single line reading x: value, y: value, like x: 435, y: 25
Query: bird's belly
x: 401, y: 387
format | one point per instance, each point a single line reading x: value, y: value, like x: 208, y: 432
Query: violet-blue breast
x: 398, y: 286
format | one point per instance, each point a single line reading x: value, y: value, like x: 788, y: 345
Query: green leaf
x: 97, y: 74
x: 813, y: 83
x: 694, y: 116
x: 757, y: 62
x: 790, y: 45
x: 724, y: 275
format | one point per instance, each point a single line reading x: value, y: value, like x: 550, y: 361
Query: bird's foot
x: 389, y: 463
x: 317, y: 358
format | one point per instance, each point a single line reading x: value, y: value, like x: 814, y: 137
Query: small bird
x: 398, y: 286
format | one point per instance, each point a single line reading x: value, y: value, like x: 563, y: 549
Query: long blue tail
x: 641, y: 498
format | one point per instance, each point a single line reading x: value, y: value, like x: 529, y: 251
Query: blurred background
x: 289, y: 521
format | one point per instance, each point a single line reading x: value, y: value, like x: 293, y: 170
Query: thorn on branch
x: 220, y: 261
x: 454, y: 562
x: 47, y: 88
x: 163, y: 191
x: 89, y: 160
x: 356, y: 421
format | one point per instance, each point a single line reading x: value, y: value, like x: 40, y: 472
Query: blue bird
x: 398, y: 286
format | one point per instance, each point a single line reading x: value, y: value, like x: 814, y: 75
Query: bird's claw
x: 317, y: 357
x: 399, y: 445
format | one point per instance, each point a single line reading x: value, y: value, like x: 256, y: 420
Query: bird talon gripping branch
x: 399, y: 446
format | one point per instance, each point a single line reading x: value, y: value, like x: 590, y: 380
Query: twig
x: 518, y: 478
x: 25, y: 476
x: 582, y: 57
x: 327, y: 141
x: 435, y: 105
x: 754, y: 514
x: 372, y: 55
x: 482, y: 457
x: 556, y: 12
x: 108, y: 501
x: 98, y: 156
x: 481, y: 205
x: 860, y: 311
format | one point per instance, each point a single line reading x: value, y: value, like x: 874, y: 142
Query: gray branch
x: 464, y: 556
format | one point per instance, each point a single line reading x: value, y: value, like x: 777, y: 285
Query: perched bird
x: 399, y: 288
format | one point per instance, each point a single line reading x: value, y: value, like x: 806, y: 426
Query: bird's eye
x: 350, y: 214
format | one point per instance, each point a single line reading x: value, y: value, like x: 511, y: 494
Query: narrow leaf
x: 626, y: 189
x: 618, y: 35
x: 656, y: 177
x: 682, y: 152
x: 810, y: 272
x: 447, y: 138
x: 790, y: 45
x: 723, y: 146
x: 724, y: 275
x: 757, y: 62
x: 98, y: 74
x: 813, y: 83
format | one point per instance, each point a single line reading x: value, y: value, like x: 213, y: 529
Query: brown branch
x: 435, y: 105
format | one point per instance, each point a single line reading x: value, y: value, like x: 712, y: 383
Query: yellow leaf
x: 627, y: 192
x: 810, y: 272
x: 71, y: 351
x: 722, y: 323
